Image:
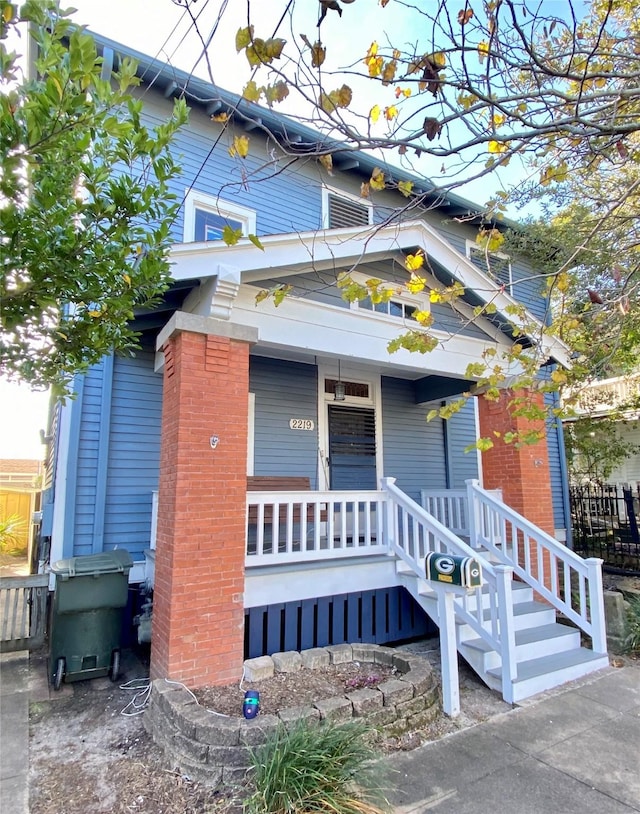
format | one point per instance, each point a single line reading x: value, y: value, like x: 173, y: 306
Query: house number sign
x: 301, y: 424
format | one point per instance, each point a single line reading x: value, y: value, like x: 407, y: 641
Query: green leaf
x: 256, y: 242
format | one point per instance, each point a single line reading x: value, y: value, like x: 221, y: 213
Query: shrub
x: 632, y: 640
x: 315, y: 768
x: 12, y: 535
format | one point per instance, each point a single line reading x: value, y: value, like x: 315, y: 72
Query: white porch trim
x: 287, y: 254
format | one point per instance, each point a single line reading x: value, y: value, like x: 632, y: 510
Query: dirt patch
x: 299, y: 689
x: 87, y: 756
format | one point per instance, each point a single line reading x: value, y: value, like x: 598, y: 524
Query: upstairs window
x: 392, y: 308
x: 496, y: 264
x: 400, y: 305
x: 205, y: 217
x: 341, y: 209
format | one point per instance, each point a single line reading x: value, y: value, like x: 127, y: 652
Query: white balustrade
x: 287, y: 527
x: 568, y: 582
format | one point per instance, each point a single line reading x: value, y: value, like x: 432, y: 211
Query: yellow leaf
x: 498, y: 119
x: 221, y: 117
x: 416, y: 284
x: 8, y: 12
x: 95, y: 314
x: 373, y: 61
x: 390, y: 112
x: 434, y: 296
x: 558, y: 377
x: 327, y: 163
x: 230, y: 235
x: 377, y: 179
x: 414, y: 261
x: 389, y: 72
x: 318, y: 54
x: 239, y: 147
x: 243, y: 37
x: 497, y: 147
x: 365, y: 190
x: 127, y: 279
x: 251, y: 91
x: 424, y: 318
x: 483, y: 50
x: 405, y: 187
x: 374, y: 113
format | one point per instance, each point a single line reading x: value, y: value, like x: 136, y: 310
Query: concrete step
x: 533, y: 642
x: 540, y: 674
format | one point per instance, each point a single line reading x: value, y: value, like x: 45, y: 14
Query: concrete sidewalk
x: 576, y: 751
x: 14, y: 732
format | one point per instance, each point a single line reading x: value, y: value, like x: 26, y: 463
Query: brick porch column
x: 198, y: 609
x: 522, y: 474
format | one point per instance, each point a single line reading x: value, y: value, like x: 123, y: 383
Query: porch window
x: 205, y: 217
x: 496, y: 264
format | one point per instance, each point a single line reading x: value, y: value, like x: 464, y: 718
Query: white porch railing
x: 412, y: 533
x: 572, y: 585
x: 451, y: 508
x: 286, y: 527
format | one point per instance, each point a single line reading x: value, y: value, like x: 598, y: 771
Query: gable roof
x: 304, y: 252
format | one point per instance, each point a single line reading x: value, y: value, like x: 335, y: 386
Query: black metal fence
x: 605, y: 524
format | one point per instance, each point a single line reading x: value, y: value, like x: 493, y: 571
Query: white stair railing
x: 412, y: 533
x: 568, y: 582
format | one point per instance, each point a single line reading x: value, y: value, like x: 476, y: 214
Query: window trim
x: 195, y: 199
x: 339, y: 193
x: 419, y: 301
x: 471, y: 244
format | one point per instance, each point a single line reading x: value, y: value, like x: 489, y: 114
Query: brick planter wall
x: 214, y: 748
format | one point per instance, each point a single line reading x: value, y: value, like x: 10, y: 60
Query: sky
x: 162, y: 29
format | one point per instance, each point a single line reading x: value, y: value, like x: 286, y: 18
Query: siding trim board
x: 70, y: 499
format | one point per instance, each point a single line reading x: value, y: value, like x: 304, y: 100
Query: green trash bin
x: 86, y: 622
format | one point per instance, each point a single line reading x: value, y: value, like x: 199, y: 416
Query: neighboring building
x: 617, y: 398
x: 20, y: 485
x: 154, y: 453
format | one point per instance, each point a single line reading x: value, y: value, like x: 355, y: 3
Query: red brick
x: 198, y: 611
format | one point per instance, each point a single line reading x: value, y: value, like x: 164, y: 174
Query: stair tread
x: 549, y: 664
x: 528, y: 636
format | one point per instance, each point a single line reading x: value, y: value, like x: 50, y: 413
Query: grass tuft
x: 315, y: 769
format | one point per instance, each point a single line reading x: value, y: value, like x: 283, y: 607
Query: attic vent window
x: 343, y: 211
x: 495, y: 264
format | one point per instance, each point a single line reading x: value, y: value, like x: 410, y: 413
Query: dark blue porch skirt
x: 381, y: 616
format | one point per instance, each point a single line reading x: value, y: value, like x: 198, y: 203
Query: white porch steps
x: 548, y: 654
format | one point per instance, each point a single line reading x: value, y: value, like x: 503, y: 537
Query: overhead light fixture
x: 339, y: 390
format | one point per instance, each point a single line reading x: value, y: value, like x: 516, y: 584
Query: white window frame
x: 471, y: 244
x: 419, y: 301
x: 340, y: 193
x: 195, y: 199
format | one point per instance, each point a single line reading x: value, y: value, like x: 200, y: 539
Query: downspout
x: 447, y: 456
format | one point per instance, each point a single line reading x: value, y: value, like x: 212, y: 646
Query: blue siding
x: 82, y: 494
x: 413, y: 449
x: 284, y: 390
x: 134, y: 453
x: 461, y: 431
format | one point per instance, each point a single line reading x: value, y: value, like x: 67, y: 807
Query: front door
x: 352, y: 447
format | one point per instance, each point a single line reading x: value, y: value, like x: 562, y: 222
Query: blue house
x: 270, y: 467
